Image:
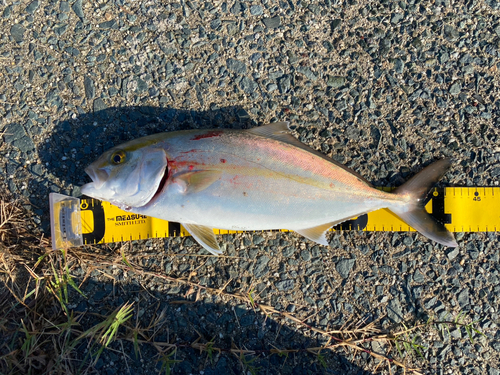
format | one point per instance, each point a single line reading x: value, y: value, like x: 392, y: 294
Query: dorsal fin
x: 277, y: 130
x: 280, y: 131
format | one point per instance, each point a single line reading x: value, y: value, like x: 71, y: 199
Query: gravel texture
x: 383, y: 87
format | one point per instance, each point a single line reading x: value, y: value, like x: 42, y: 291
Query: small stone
x: 213, y: 57
x: 384, y: 46
x: 399, y: 66
x: 352, y: 132
x: 429, y: 304
x: 261, y: 268
x: 236, y: 66
x: 242, y: 114
x: 112, y: 91
x: 258, y: 239
x: 275, y: 75
x: 17, y: 32
x: 215, y: 24
x: 78, y: 9
x: 255, y: 57
x: 344, y: 266
x: 401, y: 254
x: 394, y: 311
x: 237, y: 8
x: 142, y: 85
x: 64, y: 6
x: 62, y: 16
x: 245, y: 321
x: 430, y: 62
x: 61, y: 29
x: 417, y: 43
x: 288, y: 251
x: 306, y: 255
x: 495, y: 345
x: 443, y: 57
x: 408, y: 241
x: 248, y: 85
x: 99, y: 105
x: 335, y: 81
x: 32, y: 7
x: 108, y: 25
x: 284, y: 83
x: 463, y: 298
x: 455, y: 88
x: 396, y: 17
x: 340, y: 105
x: 17, y: 137
x: 387, y: 270
x: 7, y: 11
x: 334, y: 24
x: 451, y: 33
x: 452, y: 253
x: 88, y: 83
x: 378, y: 347
x: 256, y: 10
x: 418, y: 277
x: 307, y: 72
x: 495, y: 172
x: 272, y: 23
x: 272, y: 87
x: 456, y: 334
x: 99, y: 295
x: 285, y: 285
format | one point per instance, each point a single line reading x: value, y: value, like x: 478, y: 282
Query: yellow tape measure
x: 90, y: 221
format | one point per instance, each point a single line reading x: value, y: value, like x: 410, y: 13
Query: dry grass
x: 39, y: 334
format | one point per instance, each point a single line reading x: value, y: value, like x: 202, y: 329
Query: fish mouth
x: 98, y: 177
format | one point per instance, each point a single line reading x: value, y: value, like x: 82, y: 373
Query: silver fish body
x: 256, y: 179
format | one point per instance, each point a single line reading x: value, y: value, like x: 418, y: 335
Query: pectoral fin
x: 205, y: 237
x: 196, y: 181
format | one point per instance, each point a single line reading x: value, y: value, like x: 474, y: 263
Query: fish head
x: 128, y: 175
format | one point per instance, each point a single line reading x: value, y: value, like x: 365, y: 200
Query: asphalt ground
x: 383, y: 87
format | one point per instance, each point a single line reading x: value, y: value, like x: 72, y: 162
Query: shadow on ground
x: 78, y: 142
x: 167, y: 314
x: 212, y: 319
x: 72, y: 145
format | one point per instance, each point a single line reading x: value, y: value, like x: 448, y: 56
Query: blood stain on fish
x: 211, y: 134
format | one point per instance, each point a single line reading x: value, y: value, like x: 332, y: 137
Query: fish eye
x: 118, y: 157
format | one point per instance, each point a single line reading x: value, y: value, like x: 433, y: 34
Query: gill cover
x: 130, y: 180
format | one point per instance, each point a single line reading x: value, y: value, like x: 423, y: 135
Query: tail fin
x: 414, y: 213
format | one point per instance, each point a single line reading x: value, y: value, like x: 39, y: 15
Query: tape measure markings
x: 472, y: 209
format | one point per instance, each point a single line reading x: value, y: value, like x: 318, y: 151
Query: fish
x: 253, y: 179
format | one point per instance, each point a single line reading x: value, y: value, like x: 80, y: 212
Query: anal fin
x: 316, y: 234
x: 205, y: 237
